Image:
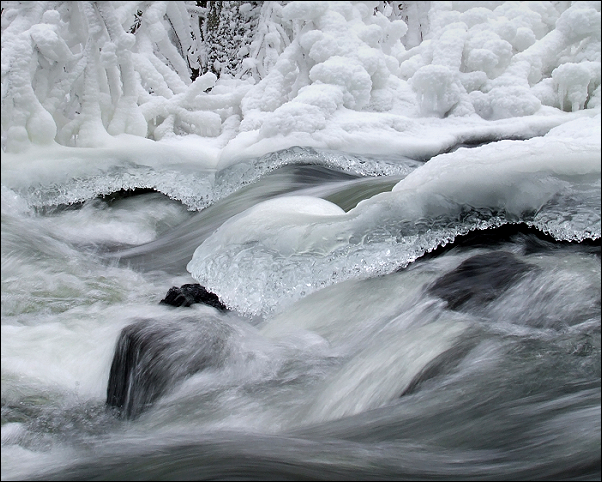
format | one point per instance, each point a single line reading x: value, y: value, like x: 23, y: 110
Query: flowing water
x: 386, y: 321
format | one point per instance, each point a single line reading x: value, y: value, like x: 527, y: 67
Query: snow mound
x: 80, y: 74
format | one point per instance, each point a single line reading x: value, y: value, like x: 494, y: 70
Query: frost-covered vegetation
x: 77, y: 73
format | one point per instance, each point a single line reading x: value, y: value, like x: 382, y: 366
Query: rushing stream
x: 388, y: 319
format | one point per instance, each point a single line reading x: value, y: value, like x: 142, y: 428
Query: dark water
x: 478, y: 361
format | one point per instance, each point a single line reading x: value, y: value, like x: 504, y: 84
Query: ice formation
x: 281, y: 250
x: 292, y: 73
x: 196, y: 102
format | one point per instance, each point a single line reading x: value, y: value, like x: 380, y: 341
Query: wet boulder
x: 189, y: 294
x: 442, y: 365
x: 152, y: 357
x: 479, y: 279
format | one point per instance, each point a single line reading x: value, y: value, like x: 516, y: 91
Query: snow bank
x: 318, y: 74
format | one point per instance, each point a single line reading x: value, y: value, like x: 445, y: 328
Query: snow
x: 98, y: 97
x: 304, y: 10
x: 79, y: 75
x: 280, y: 250
x: 86, y: 86
x: 277, y: 215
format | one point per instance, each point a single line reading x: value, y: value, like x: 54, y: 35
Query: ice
x: 123, y: 96
x: 271, y: 256
x: 484, y: 114
x: 573, y: 83
x: 282, y: 215
x: 305, y: 62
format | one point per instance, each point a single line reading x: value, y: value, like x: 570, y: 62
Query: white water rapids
x: 337, y: 359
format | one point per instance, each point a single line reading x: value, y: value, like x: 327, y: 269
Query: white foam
x: 383, y: 370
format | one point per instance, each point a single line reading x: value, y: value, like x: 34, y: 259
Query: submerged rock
x: 443, y: 364
x: 530, y: 239
x: 480, y: 279
x: 152, y: 357
x: 189, y: 294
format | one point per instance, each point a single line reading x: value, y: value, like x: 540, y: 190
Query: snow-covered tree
x: 228, y: 30
x: 78, y: 73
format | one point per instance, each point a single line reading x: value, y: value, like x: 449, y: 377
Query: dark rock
x: 480, y: 279
x: 127, y: 193
x: 189, y: 294
x: 530, y: 239
x: 152, y: 357
x: 441, y: 365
